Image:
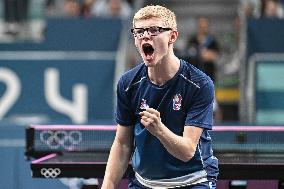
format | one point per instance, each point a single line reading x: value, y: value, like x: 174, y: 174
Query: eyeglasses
x: 153, y: 31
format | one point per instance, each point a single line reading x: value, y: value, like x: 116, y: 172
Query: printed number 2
x: 12, y: 92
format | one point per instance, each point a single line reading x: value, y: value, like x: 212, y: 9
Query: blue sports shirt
x: 185, y: 100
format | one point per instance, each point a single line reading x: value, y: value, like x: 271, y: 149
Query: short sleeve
x: 200, y: 113
x: 124, y: 114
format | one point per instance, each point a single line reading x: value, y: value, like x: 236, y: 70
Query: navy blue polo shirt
x: 185, y: 100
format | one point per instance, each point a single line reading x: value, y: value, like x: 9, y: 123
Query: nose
x: 146, y: 34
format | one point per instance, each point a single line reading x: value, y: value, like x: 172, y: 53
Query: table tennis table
x: 244, y: 152
x: 92, y: 165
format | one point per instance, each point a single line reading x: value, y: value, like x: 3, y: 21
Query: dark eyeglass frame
x: 157, y: 28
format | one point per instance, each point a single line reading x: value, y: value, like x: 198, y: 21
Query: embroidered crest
x: 144, y: 104
x: 177, y: 102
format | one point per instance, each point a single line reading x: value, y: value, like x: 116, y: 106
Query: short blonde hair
x: 156, y: 11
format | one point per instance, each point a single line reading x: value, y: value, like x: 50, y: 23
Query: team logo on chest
x: 143, y: 105
x: 177, y: 102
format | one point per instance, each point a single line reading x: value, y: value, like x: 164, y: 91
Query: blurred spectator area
x: 74, y: 34
x: 40, y: 10
x: 236, y: 34
x: 34, y: 16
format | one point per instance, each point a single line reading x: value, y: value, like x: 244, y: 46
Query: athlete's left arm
x: 181, y: 147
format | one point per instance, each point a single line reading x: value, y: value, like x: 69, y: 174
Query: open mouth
x: 148, y: 49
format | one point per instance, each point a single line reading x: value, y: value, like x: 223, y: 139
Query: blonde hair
x: 156, y: 11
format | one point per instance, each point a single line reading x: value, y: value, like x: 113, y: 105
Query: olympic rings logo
x: 60, y: 139
x: 50, y: 172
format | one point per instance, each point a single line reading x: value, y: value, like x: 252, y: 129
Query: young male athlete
x: 164, y: 112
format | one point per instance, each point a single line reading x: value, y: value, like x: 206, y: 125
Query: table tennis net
x: 249, y: 146
x: 252, y: 141
x: 62, y: 139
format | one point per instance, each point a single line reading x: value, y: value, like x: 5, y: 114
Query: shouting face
x: 153, y: 40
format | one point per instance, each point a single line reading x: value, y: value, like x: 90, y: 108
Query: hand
x: 151, y: 120
x: 209, y: 55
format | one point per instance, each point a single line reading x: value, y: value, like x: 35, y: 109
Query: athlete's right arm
x: 119, y: 157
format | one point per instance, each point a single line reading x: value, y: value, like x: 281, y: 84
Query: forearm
x: 182, y: 148
x: 116, y: 167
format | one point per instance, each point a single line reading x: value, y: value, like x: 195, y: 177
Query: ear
x: 173, y: 37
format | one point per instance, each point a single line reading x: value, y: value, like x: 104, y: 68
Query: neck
x: 164, y: 70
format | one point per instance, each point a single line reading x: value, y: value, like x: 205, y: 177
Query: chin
x: 149, y: 63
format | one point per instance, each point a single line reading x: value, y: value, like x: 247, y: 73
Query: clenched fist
x: 151, y: 119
